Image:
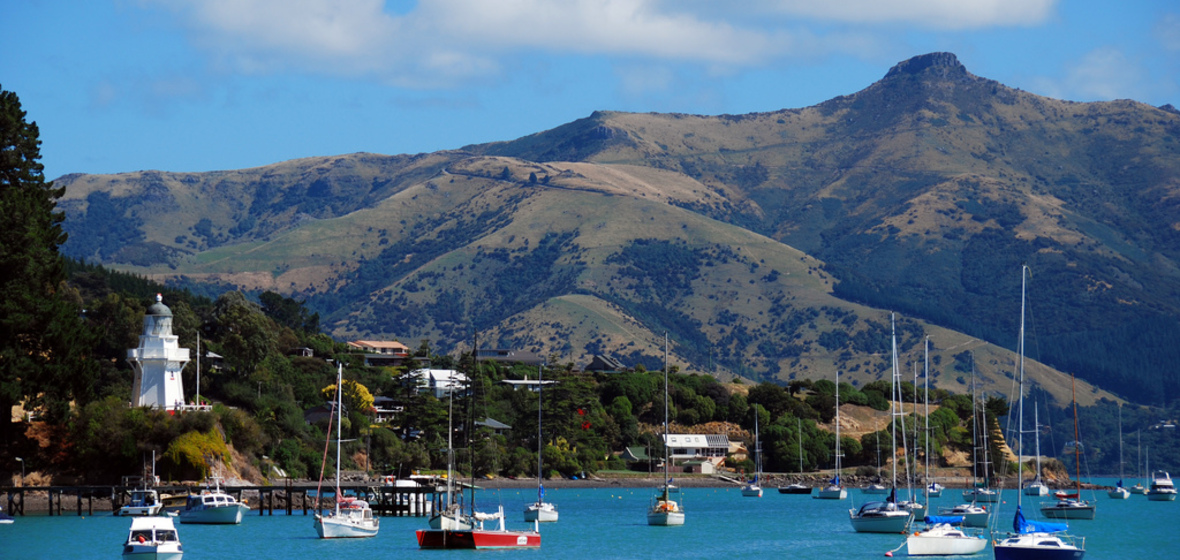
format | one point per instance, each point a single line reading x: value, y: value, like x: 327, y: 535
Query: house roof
x: 636, y: 453
x: 379, y: 345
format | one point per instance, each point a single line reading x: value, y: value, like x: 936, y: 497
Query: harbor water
x: 603, y: 523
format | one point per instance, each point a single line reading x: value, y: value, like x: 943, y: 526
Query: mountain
x: 768, y: 245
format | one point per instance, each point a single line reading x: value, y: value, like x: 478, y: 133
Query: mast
x: 974, y: 436
x: 926, y: 393
x: 1120, y: 446
x: 800, y: 421
x: 1020, y: 404
x: 896, y: 398
x: 339, y: 405
x: 540, y: 442
x: 1077, y: 443
x: 838, y: 427
x: 665, y: 415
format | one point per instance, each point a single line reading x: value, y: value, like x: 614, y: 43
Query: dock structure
x: 384, y: 499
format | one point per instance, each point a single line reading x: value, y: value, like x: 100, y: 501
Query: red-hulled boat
x: 478, y: 537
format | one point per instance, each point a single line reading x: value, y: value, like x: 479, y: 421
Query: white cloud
x: 1101, y: 75
x: 1167, y: 32
x: 441, y: 42
x: 942, y: 14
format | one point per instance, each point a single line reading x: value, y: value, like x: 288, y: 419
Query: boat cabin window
x: 166, y: 536
x: 1048, y: 543
x: 144, y: 535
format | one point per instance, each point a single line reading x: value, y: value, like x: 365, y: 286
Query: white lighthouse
x: 158, y: 361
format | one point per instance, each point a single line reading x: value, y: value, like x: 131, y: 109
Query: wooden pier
x: 385, y: 500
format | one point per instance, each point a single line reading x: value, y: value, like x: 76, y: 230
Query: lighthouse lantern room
x: 158, y: 361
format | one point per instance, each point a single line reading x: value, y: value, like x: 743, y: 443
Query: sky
x: 201, y: 85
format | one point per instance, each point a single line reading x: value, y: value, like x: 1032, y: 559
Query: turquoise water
x: 599, y: 523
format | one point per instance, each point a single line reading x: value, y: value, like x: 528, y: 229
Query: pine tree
x: 44, y: 343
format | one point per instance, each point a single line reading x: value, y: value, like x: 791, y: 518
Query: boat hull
x: 227, y: 515
x: 665, y: 518
x: 1068, y: 512
x: 343, y: 528
x: 981, y: 496
x: 794, y: 490
x: 919, y: 545
x: 541, y: 513
x: 882, y: 524
x: 1119, y: 494
x: 147, y: 552
x: 140, y: 511
x: 752, y: 491
x: 1036, y: 547
x: 831, y: 494
x: 477, y: 539
x: 1036, y: 490
x: 1161, y: 496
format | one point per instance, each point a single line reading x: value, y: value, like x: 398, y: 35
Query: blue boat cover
x: 948, y: 519
x: 1023, y: 526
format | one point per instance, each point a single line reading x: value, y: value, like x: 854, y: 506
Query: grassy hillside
x: 768, y: 245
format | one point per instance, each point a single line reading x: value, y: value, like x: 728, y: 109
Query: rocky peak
x: 941, y: 64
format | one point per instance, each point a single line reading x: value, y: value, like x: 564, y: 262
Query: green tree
x: 44, y: 344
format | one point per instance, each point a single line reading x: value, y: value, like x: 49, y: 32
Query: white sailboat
x: 667, y: 507
x: 1118, y: 492
x: 451, y: 517
x: 933, y: 488
x: 834, y: 490
x: 942, y: 537
x: 1138, y: 488
x: 752, y: 489
x: 1037, y: 487
x: 1072, y: 506
x: 973, y: 514
x: 979, y: 493
x: 351, y: 518
x: 540, y: 510
x: 1032, y: 540
x: 887, y: 516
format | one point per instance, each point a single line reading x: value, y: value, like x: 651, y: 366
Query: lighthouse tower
x: 158, y: 361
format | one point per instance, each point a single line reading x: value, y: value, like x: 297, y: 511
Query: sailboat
x: 1037, y: 487
x: 796, y: 487
x: 752, y: 489
x: 1071, y: 506
x: 451, y: 516
x: 834, y: 490
x: 933, y: 488
x: 469, y: 531
x: 351, y: 517
x: 666, y: 507
x: 1033, y: 539
x: 973, y: 514
x: 1138, y: 488
x: 876, y: 487
x: 980, y: 492
x: 887, y: 516
x: 1118, y: 492
x: 540, y: 510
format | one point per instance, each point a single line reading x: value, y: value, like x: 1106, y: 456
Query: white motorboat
x: 1162, y: 489
x: 1031, y: 539
x: 666, y: 507
x: 152, y: 538
x: 144, y: 502
x: 540, y: 510
x: 941, y: 537
x: 213, y: 506
x: 981, y: 495
x: 834, y: 490
x: 351, y: 518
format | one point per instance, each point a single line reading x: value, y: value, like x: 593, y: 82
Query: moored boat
x: 942, y: 537
x: 144, y: 502
x: 1162, y: 489
x: 152, y: 538
x: 213, y: 506
x: 351, y: 517
x: 834, y: 490
x: 478, y: 537
x: 666, y: 508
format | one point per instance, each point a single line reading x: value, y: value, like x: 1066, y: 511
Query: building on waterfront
x: 158, y: 361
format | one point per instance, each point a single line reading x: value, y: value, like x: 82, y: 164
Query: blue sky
x: 200, y: 85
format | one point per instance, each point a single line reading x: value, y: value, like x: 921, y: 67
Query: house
x: 509, y: 356
x: 697, y: 446
x: 385, y: 409
x: 497, y: 427
x: 382, y: 353
x: 533, y: 385
x: 605, y: 364
x: 439, y: 382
